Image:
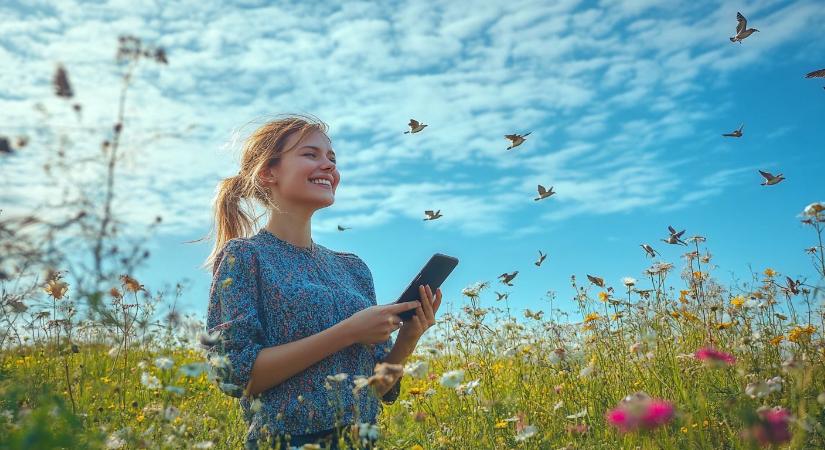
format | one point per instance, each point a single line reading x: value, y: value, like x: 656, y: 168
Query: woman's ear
x: 267, y: 176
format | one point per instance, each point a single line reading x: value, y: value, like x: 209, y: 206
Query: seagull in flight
x: 735, y: 133
x: 742, y: 30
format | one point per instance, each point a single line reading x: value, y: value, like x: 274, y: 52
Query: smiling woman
x: 294, y: 316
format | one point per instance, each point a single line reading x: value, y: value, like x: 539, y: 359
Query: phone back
x: 434, y: 273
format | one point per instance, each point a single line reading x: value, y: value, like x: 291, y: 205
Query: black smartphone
x: 433, y: 273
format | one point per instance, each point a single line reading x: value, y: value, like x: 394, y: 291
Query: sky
x: 626, y: 102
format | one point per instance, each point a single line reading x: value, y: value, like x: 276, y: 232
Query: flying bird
x: 515, y: 139
x: 5, y: 146
x: 342, y: 228
x: 542, y: 256
x: 500, y: 296
x: 674, y: 238
x: 432, y: 215
x: 506, y: 278
x: 793, y: 286
x: 415, y: 126
x: 596, y: 280
x: 770, y: 179
x: 649, y: 250
x: 544, y: 193
x: 742, y: 30
x: 735, y: 133
x: 60, y: 81
x: 817, y: 74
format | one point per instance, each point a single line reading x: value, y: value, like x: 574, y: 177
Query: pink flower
x: 640, y: 411
x: 713, y: 357
x: 772, y: 427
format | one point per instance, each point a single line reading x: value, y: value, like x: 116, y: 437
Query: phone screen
x: 437, y: 269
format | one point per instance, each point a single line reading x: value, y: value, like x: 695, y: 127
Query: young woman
x: 290, y: 312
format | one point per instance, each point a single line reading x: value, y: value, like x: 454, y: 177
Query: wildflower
x: 578, y: 415
x: 772, y: 426
x: 640, y: 411
x: 192, y: 369
x: 219, y: 361
x: 752, y: 303
x: 798, y: 333
x: 777, y: 340
x: 170, y: 413
x: 603, y: 296
x: 591, y: 317
x: 769, y: 272
x: 629, y: 281
x: 698, y: 275
x: 814, y: 209
x: 723, y: 325
x: 474, y: 290
x: 467, y: 388
x: 56, y: 288
x: 737, y: 301
x: 713, y: 357
x: 337, y: 377
x: 164, y: 362
x: 587, y: 371
x: 115, y: 293
x: 175, y: 390
x: 761, y: 389
x: 368, y: 431
x: 452, y: 379
x: 131, y: 284
x: 501, y: 424
x: 417, y: 369
x: 526, y: 433
x: 150, y: 381
x: 256, y: 405
x: 385, y: 373
x: 113, y: 441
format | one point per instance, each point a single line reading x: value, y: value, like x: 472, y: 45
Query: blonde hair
x: 263, y: 148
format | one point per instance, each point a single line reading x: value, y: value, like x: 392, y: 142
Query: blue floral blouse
x: 267, y: 292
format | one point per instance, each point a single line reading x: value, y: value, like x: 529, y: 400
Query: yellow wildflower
x: 798, y: 333
x: 769, y: 272
x: 777, y: 340
x: 737, y: 301
x: 674, y: 314
x: 603, y: 296
x: 697, y: 275
x: 591, y: 317
x: 501, y: 424
x: 723, y: 325
x: 56, y: 288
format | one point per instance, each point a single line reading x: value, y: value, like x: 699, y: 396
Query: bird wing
x: 511, y: 137
x: 525, y: 135
x: 742, y: 23
x: 541, y: 189
x: 413, y: 123
x: 766, y: 175
x: 428, y: 212
x: 741, y: 127
x: 670, y: 228
x: 679, y: 234
x: 816, y: 74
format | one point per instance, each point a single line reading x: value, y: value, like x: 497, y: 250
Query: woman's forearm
x: 274, y: 365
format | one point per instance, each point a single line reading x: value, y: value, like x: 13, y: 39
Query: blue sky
x: 626, y: 102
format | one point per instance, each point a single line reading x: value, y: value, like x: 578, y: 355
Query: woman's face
x: 296, y: 175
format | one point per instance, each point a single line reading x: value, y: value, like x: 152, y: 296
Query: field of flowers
x: 669, y: 360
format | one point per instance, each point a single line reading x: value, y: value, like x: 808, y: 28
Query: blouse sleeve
x: 381, y: 350
x: 233, y: 310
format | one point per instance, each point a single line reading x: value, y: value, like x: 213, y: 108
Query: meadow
x: 670, y: 360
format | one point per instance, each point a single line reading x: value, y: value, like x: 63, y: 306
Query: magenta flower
x: 772, y: 427
x: 713, y: 357
x: 640, y: 411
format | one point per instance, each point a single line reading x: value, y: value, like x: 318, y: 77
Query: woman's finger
x: 428, y: 304
x: 437, y: 301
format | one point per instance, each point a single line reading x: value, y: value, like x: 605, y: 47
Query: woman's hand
x: 424, y: 318
x: 374, y: 325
